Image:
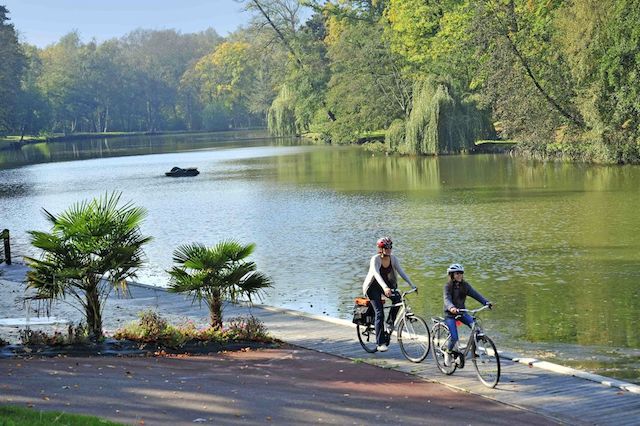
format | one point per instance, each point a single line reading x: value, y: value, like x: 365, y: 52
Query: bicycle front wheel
x: 367, y: 337
x: 486, y: 361
x: 414, y: 338
x: 440, y: 337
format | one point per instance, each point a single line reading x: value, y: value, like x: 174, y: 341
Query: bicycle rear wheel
x: 486, y: 361
x: 414, y: 338
x: 367, y: 337
x: 440, y: 337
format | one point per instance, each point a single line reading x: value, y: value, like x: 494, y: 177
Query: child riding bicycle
x: 456, y: 291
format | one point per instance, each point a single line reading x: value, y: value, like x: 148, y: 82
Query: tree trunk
x: 106, y: 120
x: 215, y: 311
x: 94, y: 314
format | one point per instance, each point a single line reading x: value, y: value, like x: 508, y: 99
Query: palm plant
x: 217, y: 273
x: 93, y: 247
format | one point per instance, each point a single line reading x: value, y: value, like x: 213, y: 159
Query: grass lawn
x: 17, y: 416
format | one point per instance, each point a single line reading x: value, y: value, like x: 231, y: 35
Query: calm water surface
x: 555, y: 246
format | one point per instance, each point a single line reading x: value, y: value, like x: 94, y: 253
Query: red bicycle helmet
x: 385, y: 242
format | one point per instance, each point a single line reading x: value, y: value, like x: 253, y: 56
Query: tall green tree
x: 65, y: 81
x: 93, y: 247
x: 226, y: 76
x: 12, y: 63
x: 435, y: 38
x: 617, y: 44
x: 367, y: 87
x: 526, y: 76
x: 33, y: 113
x: 216, y: 274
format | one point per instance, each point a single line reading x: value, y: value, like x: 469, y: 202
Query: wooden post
x: 7, y: 246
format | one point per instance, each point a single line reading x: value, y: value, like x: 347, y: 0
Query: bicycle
x: 413, y: 335
x: 484, y: 354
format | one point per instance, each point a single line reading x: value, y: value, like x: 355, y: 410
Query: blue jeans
x: 375, y: 295
x: 453, y: 328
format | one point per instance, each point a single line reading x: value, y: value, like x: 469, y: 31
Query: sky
x: 43, y: 22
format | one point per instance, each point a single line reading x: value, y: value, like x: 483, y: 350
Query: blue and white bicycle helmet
x: 455, y: 267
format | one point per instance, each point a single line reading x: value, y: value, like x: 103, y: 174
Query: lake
x: 554, y: 245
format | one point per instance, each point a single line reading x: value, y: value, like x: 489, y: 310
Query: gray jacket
x: 455, y: 294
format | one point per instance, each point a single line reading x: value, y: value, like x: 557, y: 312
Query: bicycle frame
x: 404, y: 310
x: 484, y: 354
x: 476, y: 330
x: 412, y: 331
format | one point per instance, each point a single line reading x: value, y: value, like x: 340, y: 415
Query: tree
x: 282, y: 16
x: 217, y: 273
x: 93, y: 247
x: 226, y: 76
x: 435, y: 38
x: 66, y: 83
x: 32, y: 114
x: 367, y: 87
x: 12, y: 63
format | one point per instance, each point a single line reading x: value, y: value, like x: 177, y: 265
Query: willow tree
x: 281, y: 118
x: 441, y: 122
x: 93, y: 247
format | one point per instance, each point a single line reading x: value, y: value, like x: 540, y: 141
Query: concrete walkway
x: 557, y: 392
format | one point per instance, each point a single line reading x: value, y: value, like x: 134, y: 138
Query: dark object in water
x: 179, y: 172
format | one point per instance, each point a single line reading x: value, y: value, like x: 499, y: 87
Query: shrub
x: 247, y: 328
x: 75, y: 335
x: 153, y: 328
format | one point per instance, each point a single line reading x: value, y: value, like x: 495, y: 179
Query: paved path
x: 527, y: 384
x: 286, y: 386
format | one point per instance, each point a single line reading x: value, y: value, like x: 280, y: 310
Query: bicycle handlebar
x: 413, y: 290
x: 475, y: 311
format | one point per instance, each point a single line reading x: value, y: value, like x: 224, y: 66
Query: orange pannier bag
x: 364, y: 301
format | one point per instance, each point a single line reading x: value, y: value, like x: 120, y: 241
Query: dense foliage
x: 559, y: 77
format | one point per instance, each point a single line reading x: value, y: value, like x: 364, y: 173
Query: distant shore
x: 13, y: 142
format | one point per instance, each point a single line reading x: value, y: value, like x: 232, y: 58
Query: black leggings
x: 375, y: 295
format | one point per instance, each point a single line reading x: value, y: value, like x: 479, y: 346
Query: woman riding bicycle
x: 456, y: 291
x: 382, y: 279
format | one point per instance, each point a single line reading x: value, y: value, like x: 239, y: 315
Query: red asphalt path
x: 272, y: 386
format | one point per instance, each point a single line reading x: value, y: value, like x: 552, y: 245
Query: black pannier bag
x: 363, y: 313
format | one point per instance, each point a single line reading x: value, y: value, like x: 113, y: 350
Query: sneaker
x: 447, y: 359
x: 382, y: 348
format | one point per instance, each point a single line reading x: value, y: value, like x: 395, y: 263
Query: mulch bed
x: 113, y: 347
